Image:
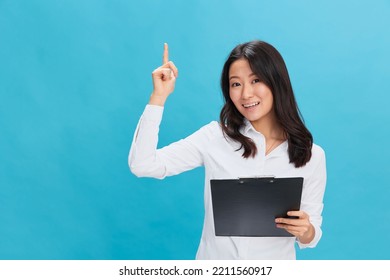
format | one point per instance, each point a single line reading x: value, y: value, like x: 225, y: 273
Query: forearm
x: 143, y: 161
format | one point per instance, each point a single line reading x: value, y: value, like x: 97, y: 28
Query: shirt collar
x: 247, y: 129
x: 247, y: 126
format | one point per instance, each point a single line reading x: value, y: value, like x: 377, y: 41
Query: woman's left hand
x: 300, y: 227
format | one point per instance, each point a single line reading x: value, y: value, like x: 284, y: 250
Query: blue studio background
x: 75, y: 76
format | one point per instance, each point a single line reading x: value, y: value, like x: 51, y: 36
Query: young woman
x: 260, y: 133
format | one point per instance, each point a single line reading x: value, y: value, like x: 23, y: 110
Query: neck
x: 269, y: 127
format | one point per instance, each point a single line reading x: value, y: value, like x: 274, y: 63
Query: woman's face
x: 252, y: 98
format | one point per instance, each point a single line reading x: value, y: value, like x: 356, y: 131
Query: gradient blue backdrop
x: 75, y: 76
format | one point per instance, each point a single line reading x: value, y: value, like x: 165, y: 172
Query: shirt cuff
x: 153, y: 113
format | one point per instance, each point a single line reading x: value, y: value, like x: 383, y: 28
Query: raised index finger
x: 165, y: 55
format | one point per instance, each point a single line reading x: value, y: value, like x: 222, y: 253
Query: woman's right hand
x: 164, y: 78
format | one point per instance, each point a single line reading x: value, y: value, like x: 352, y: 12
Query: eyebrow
x: 250, y: 75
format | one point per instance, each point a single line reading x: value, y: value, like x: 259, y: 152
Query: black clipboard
x: 249, y: 206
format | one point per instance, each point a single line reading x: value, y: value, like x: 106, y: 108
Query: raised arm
x: 145, y: 160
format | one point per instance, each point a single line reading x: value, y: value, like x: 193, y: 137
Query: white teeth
x: 251, y: 104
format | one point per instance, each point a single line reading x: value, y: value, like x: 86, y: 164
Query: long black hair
x: 267, y: 63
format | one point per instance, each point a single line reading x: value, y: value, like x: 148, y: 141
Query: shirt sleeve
x: 145, y: 160
x: 312, y: 198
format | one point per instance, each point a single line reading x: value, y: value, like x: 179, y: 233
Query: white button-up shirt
x: 209, y: 147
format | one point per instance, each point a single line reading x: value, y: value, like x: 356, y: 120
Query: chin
x: 252, y: 118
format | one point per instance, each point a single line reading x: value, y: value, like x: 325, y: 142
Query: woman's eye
x: 256, y: 81
x: 235, y: 84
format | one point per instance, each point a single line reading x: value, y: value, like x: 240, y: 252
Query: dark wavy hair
x: 267, y: 63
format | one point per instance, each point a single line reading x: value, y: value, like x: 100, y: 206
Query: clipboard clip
x: 242, y: 180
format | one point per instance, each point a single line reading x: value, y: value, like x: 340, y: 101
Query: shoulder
x: 317, y: 155
x: 211, y: 129
x: 317, y: 151
x: 207, y: 133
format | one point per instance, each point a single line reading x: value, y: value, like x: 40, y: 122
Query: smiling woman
x: 256, y: 87
x: 260, y: 133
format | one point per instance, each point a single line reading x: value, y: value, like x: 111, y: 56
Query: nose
x: 247, y: 92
